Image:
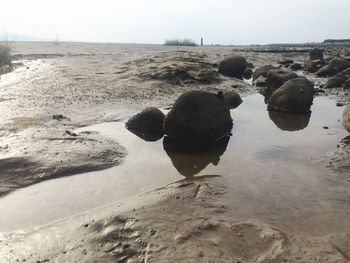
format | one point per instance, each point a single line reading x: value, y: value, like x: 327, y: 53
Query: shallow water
x: 260, y: 144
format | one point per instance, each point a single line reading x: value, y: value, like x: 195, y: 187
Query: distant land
x: 337, y: 41
x: 24, y: 37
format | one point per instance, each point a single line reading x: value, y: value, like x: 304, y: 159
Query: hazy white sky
x: 152, y: 21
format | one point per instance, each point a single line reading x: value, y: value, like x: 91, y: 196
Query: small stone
x: 152, y: 232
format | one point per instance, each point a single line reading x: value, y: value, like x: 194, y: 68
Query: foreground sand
x: 188, y: 221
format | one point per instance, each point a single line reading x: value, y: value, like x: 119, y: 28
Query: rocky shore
x: 188, y: 94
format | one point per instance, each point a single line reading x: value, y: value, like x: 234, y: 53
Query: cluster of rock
x: 337, y: 68
x: 197, y: 117
x: 288, y: 92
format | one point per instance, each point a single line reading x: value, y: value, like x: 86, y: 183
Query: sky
x: 153, y: 21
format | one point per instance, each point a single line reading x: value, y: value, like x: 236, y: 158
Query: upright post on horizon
x: 201, y: 41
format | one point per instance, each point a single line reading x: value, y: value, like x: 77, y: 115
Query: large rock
x: 286, y: 62
x: 198, y: 117
x: 346, y: 118
x: 335, y: 82
x: 294, y: 96
x: 316, y: 54
x: 233, y: 66
x: 296, y: 66
x: 276, y: 78
x: 313, y: 66
x: 335, y: 66
x: 262, y: 71
x: 150, y: 120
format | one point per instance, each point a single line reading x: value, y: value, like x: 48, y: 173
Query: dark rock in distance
x: 335, y: 82
x: 276, y: 78
x: 198, y: 117
x: 316, y: 54
x: 313, y: 66
x: 262, y: 71
x: 233, y: 66
x: 286, y: 62
x: 335, y: 66
x: 294, y: 96
x: 296, y: 66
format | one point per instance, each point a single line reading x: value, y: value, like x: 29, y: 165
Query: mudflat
x: 77, y: 186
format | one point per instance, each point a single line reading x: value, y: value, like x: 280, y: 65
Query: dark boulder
x: 150, y: 120
x: 286, y: 62
x: 248, y: 73
x: 262, y: 71
x: 276, y: 78
x: 233, y: 99
x: 296, y: 66
x: 313, y: 66
x: 198, y: 117
x: 316, y: 54
x: 233, y: 66
x: 294, y: 96
x: 335, y: 82
x: 325, y: 71
x: 335, y: 66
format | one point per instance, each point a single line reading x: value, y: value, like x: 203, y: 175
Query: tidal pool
x: 262, y: 145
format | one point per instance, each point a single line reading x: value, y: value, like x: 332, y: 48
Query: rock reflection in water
x: 147, y: 136
x: 289, y: 122
x: 190, y: 160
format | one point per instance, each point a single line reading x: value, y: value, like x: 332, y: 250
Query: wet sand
x: 268, y: 195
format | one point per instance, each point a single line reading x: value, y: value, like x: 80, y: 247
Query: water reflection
x: 189, y: 160
x: 289, y: 122
x: 146, y: 136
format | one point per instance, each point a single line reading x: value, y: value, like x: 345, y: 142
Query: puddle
x: 260, y: 141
